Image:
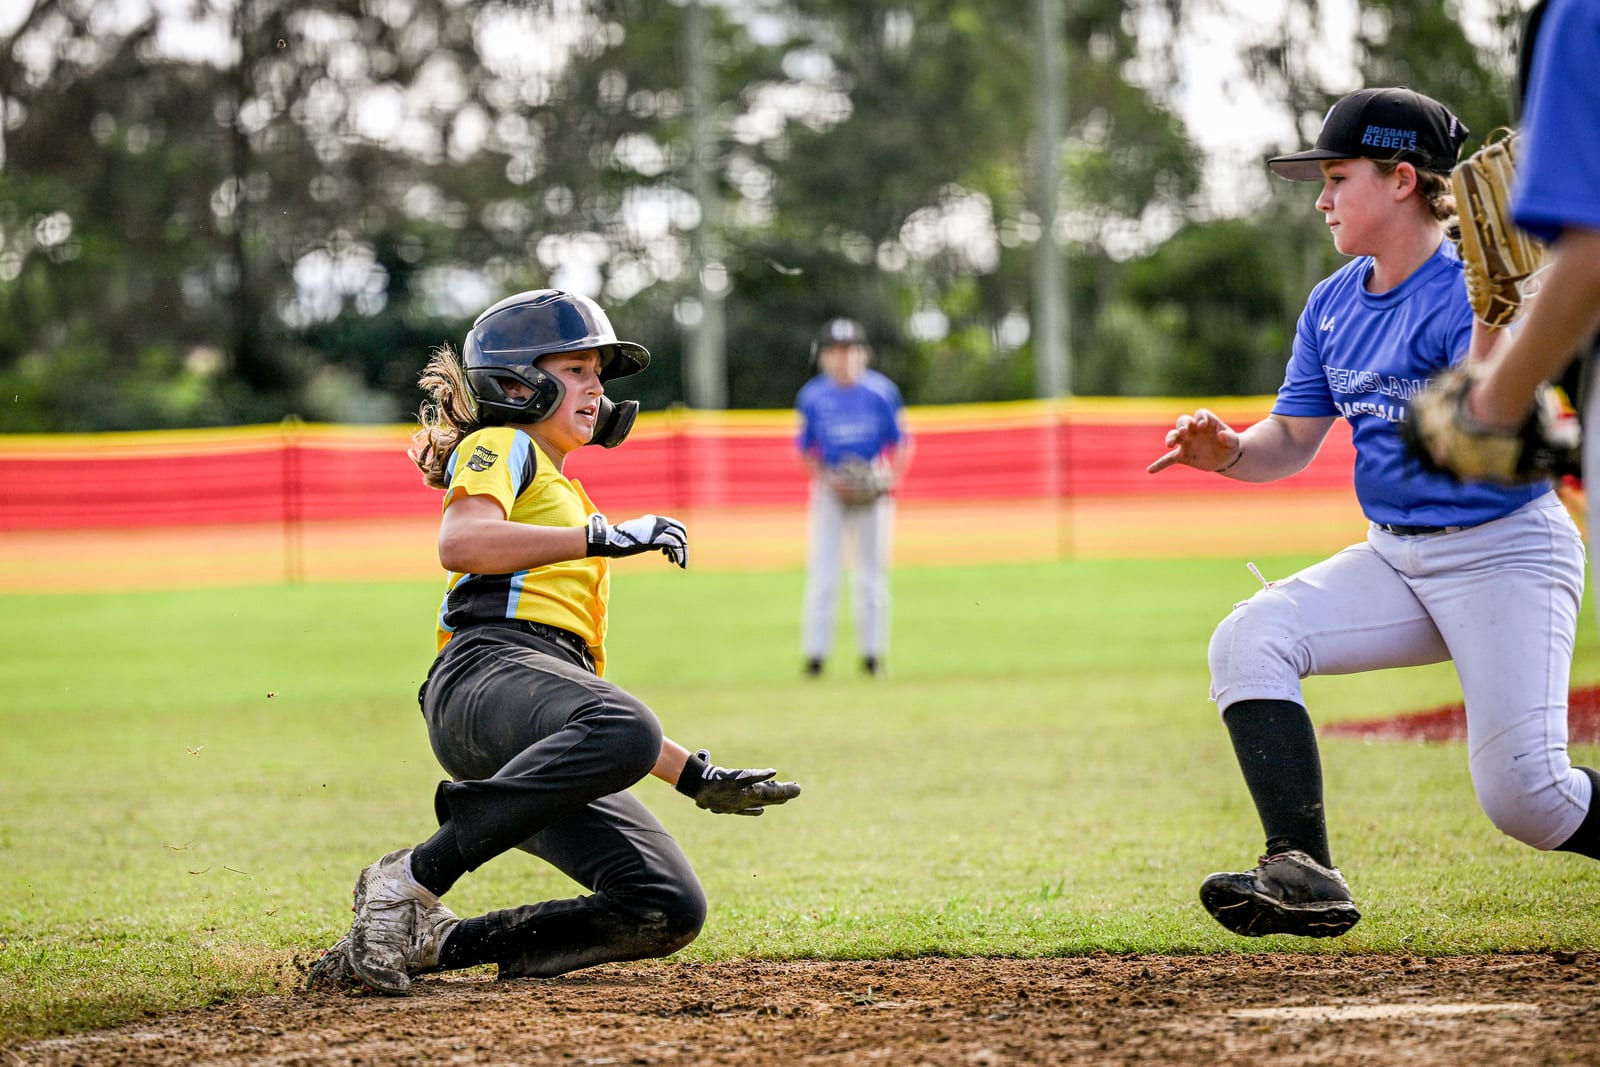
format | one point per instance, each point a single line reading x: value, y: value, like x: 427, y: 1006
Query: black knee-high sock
x: 466, y: 946
x: 1277, y: 751
x: 436, y: 864
x: 1585, y: 840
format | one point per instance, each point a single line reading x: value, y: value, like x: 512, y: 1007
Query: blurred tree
x: 1424, y: 47
x: 1200, y: 314
x: 239, y: 209
x: 901, y: 196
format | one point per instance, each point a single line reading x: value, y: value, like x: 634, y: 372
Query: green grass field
x: 189, y: 781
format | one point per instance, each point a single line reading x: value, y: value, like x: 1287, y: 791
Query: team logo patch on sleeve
x: 481, y: 459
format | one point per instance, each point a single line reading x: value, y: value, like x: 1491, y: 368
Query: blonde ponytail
x: 446, y: 416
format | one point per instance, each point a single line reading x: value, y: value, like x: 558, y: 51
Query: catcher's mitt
x: 1499, y: 258
x: 856, y: 482
x: 1444, y: 437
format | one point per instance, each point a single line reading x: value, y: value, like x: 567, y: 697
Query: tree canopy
x: 257, y: 208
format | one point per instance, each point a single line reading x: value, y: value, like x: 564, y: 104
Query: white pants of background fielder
x: 1501, y: 600
x: 868, y: 530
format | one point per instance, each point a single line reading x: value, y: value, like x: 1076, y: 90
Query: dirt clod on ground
x: 1282, y: 1009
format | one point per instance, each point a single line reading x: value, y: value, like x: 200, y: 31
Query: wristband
x: 1232, y: 462
x: 694, y: 773
x: 598, y: 533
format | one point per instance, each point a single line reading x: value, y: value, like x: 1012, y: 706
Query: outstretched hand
x: 647, y: 533
x: 1202, y: 441
x: 730, y: 791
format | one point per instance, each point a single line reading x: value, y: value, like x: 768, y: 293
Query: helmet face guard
x: 508, y: 339
x: 611, y: 426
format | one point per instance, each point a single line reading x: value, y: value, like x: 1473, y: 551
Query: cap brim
x: 1304, y: 166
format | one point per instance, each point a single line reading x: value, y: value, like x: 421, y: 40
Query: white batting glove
x: 647, y: 533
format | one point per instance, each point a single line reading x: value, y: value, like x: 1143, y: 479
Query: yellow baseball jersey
x: 505, y: 464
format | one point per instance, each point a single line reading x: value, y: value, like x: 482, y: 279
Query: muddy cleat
x: 388, y: 905
x: 1289, y: 893
x: 332, y: 973
x: 427, y: 940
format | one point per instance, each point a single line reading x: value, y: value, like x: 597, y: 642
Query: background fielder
x: 857, y: 450
x: 1487, y: 576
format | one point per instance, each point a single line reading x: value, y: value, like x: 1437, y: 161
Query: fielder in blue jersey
x: 857, y: 450
x: 1489, y: 577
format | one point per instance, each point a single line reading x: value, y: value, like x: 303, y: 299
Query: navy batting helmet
x: 509, y: 337
x: 839, y: 332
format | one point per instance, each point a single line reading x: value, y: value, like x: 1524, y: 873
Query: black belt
x: 1417, y: 531
x: 565, y: 638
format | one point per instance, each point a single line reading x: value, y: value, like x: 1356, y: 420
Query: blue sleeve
x: 806, y: 440
x: 1305, y: 391
x: 1558, y: 163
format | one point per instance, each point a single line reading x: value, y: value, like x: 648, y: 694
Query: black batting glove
x: 647, y: 533
x: 728, y: 791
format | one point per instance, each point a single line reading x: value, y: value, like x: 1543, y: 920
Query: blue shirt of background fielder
x: 856, y: 421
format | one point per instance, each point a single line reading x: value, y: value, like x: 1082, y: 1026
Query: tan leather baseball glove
x: 1499, y: 257
x: 1445, y: 438
x: 857, y: 482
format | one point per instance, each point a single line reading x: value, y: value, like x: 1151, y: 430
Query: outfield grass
x: 189, y: 781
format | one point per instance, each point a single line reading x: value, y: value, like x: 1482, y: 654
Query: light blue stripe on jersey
x: 444, y: 604
x: 518, y: 463
x: 1558, y: 155
x: 522, y: 464
x: 514, y: 594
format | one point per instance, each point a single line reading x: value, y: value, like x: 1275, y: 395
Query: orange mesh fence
x: 1022, y: 480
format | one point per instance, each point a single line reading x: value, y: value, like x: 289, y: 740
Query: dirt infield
x: 1282, y: 1009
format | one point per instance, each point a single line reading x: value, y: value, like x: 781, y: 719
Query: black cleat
x: 1289, y: 893
x: 813, y: 667
x: 871, y: 665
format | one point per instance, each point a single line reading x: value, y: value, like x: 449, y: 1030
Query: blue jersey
x: 1363, y: 356
x: 857, y: 421
x: 1558, y: 157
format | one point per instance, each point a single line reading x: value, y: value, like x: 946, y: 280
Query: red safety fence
x: 673, y: 461
x: 299, y: 502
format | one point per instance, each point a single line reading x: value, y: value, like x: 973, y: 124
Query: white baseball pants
x: 1501, y: 600
x: 869, y: 530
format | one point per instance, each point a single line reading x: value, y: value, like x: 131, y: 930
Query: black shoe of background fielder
x: 1290, y: 893
x: 813, y: 668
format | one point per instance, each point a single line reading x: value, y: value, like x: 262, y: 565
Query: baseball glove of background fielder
x: 1499, y: 258
x: 1444, y: 437
x: 855, y: 481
